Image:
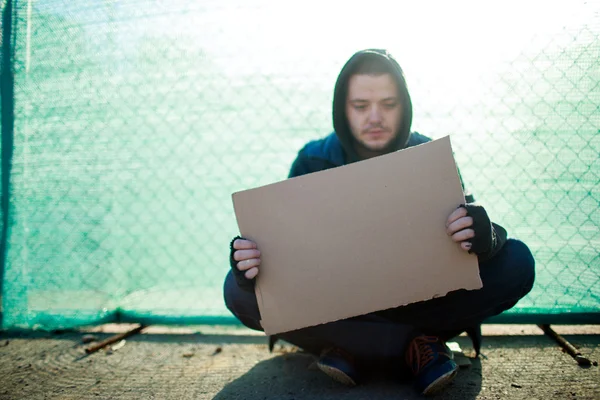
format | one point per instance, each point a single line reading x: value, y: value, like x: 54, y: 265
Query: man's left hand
x: 470, y: 226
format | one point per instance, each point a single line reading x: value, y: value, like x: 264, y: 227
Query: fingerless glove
x: 489, y: 237
x: 242, y: 281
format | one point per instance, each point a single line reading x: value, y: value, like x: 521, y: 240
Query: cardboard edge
x: 272, y: 329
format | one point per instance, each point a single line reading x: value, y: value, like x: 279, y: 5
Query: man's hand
x: 247, y: 257
x: 470, y: 226
x: 459, y: 227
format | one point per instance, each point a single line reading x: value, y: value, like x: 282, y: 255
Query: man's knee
x: 230, y: 292
x: 513, y: 267
x: 522, y: 261
x: 241, y: 303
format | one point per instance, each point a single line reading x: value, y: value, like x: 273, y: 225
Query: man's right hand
x: 247, y: 256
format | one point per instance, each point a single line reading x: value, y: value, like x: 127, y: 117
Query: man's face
x: 374, y: 112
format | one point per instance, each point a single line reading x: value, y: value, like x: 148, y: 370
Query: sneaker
x: 431, y: 362
x: 338, y: 365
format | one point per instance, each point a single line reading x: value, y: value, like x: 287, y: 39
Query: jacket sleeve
x: 499, y: 237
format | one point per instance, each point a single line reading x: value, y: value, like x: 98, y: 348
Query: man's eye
x: 390, y: 105
x: 360, y: 107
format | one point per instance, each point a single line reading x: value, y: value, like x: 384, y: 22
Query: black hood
x: 340, y: 122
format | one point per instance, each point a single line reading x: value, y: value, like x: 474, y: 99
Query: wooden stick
x: 581, y: 360
x: 113, y: 339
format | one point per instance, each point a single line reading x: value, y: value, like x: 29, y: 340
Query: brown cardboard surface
x: 356, y: 239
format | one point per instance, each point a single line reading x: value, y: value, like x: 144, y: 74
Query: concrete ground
x: 234, y: 363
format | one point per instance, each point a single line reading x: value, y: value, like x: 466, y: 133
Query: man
x: 372, y: 115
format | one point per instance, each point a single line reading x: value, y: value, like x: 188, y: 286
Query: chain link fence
x: 136, y: 120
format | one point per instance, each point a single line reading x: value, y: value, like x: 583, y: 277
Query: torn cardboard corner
x: 357, y: 239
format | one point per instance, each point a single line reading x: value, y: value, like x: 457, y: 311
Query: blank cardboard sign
x: 356, y: 239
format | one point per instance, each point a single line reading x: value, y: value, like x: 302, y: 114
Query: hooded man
x: 372, y: 115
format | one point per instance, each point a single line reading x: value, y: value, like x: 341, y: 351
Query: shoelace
x: 421, y: 351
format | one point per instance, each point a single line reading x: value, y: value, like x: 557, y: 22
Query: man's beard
x: 388, y: 148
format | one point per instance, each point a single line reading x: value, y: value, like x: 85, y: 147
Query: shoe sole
x: 441, y: 382
x: 336, y: 375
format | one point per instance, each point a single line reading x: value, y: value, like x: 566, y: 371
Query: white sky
x: 450, y: 45
x: 422, y: 34
x: 463, y: 36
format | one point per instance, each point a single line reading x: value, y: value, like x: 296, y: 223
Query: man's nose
x: 374, y: 114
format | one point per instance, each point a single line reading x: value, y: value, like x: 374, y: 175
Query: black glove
x: 242, y: 281
x: 489, y: 237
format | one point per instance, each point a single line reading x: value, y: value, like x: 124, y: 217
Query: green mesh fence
x: 136, y: 120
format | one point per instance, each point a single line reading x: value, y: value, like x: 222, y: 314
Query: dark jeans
x: 384, y: 335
